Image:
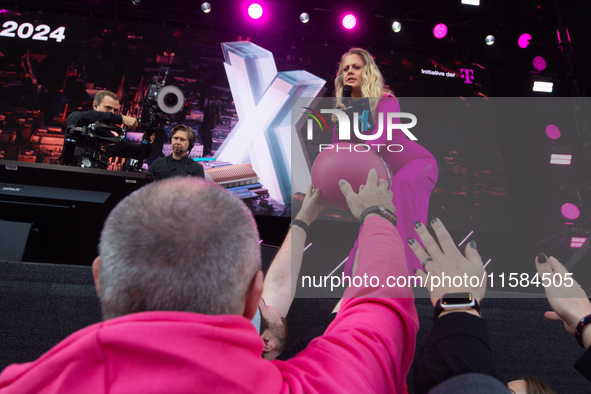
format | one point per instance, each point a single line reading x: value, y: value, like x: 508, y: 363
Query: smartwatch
x: 453, y: 301
x: 385, y: 212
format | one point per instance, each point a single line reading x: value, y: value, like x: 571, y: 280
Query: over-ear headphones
x: 188, y: 130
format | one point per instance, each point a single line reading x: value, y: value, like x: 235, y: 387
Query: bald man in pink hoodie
x: 179, y: 279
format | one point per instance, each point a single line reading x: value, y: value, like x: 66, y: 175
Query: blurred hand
x: 449, y: 260
x: 570, y: 303
x: 310, y: 208
x: 370, y: 194
x: 129, y: 121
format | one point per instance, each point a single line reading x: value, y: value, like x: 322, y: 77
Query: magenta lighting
x: 440, y: 31
x: 552, y: 132
x: 570, y: 211
x: 577, y: 242
x: 539, y: 63
x: 524, y: 40
x: 349, y: 21
x: 255, y: 11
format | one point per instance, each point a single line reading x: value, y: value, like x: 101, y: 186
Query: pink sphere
x: 349, y: 162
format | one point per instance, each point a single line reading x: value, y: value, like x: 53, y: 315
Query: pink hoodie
x: 368, y: 348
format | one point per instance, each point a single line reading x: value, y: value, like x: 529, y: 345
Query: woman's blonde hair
x: 372, y: 85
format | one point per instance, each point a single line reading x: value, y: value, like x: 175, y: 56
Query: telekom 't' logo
x: 467, y: 74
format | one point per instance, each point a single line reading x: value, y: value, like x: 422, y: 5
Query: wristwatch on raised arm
x: 301, y: 224
x: 455, y: 301
x: 380, y: 209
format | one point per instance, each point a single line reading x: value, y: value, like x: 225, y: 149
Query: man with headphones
x: 182, y: 139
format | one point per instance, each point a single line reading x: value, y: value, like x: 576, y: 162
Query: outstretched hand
x: 370, y: 194
x: 568, y: 301
x: 310, y: 207
x: 448, y: 261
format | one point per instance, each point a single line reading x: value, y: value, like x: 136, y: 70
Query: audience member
x: 281, y: 282
x: 570, y: 305
x: 528, y: 385
x: 458, y: 345
x: 178, y: 276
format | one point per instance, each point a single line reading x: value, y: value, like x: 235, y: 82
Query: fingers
x: 382, y: 183
x: 542, y: 265
x: 472, y: 254
x: 422, y: 255
x: 428, y: 241
x: 372, y: 177
x: 346, y: 188
x: 552, y: 316
x: 445, y: 240
x: 309, y: 191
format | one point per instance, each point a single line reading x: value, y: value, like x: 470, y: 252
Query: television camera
x: 160, y: 105
x: 87, y: 146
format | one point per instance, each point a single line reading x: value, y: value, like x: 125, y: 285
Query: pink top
x: 368, y: 348
x: 411, y: 149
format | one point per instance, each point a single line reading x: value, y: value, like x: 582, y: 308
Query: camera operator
x: 182, y: 139
x: 105, y: 107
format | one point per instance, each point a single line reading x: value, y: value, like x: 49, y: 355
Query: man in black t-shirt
x: 182, y: 139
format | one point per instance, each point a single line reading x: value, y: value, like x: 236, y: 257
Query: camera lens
x: 171, y: 100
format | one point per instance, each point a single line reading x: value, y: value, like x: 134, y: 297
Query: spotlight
x: 523, y: 41
x: 255, y: 11
x: 304, y: 17
x: 540, y: 86
x: 396, y: 26
x: 440, y: 31
x: 471, y: 2
x: 560, y: 159
x: 206, y: 7
x: 577, y: 242
x: 553, y: 132
x: 490, y: 39
x: 349, y: 21
x: 539, y: 63
x: 136, y: 2
x: 570, y: 211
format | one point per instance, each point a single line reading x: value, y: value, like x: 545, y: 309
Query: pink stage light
x: 255, y: 11
x: 570, y: 211
x: 440, y: 31
x: 577, y: 242
x: 349, y: 21
x: 524, y: 40
x: 539, y: 63
x: 553, y: 132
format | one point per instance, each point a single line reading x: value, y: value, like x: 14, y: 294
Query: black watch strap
x: 384, y: 212
x: 301, y: 224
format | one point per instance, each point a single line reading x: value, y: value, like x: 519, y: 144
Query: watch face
x: 457, y: 299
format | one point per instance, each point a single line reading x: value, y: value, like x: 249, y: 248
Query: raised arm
x: 280, y: 281
x: 369, y: 346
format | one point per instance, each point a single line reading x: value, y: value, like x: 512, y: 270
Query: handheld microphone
x: 347, y: 90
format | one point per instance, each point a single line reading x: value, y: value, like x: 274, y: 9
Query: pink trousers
x: 412, y: 186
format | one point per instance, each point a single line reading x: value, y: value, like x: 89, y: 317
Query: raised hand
x: 448, y: 261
